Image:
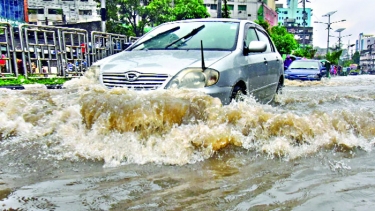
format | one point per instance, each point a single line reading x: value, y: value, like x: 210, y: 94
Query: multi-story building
x: 365, y: 45
x: 12, y: 11
x: 54, y: 12
x: 246, y: 9
x: 297, y: 20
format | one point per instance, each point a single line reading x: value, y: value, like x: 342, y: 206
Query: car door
x: 254, y: 62
x: 270, y: 73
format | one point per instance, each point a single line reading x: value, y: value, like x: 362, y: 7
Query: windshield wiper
x: 157, y: 35
x: 190, y: 34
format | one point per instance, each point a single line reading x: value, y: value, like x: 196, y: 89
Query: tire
x: 238, y: 94
x: 279, y: 89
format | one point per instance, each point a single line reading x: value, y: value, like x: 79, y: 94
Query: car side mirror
x: 257, y: 46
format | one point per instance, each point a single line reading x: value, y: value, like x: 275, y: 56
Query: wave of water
x: 178, y: 127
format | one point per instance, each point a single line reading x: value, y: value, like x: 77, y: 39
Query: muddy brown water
x: 88, y: 148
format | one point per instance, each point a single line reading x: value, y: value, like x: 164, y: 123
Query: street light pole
x: 329, y: 25
x: 339, y: 31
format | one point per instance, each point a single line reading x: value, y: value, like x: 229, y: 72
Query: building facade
x: 246, y: 9
x: 56, y: 12
x: 12, y: 11
x: 365, y: 45
x: 297, y: 20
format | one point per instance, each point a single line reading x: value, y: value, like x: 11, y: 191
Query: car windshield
x: 215, y: 35
x: 304, y: 65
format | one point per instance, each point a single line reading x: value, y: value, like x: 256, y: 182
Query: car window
x: 250, y: 36
x: 263, y: 37
x: 217, y: 35
x: 304, y: 65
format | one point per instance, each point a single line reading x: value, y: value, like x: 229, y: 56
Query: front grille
x: 144, y: 81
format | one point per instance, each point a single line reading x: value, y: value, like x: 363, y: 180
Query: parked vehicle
x: 355, y: 72
x: 305, y: 69
x: 225, y: 58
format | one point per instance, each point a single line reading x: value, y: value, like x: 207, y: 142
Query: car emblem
x: 131, y: 76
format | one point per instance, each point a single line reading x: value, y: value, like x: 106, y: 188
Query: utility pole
x: 304, y: 16
x: 103, y: 14
x: 219, y: 8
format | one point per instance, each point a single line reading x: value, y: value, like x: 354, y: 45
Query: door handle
x: 265, y: 61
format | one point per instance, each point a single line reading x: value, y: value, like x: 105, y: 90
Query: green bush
x: 21, y: 80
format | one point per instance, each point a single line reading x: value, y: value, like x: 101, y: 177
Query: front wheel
x: 279, y: 89
x: 238, y: 94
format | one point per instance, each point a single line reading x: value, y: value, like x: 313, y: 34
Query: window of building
x: 213, y: 7
x: 35, y: 11
x: 85, y: 12
x: 230, y: 6
x: 285, y: 12
x: 241, y: 7
x: 55, y: 11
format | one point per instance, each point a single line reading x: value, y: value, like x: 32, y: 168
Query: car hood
x: 302, y: 71
x: 159, y: 61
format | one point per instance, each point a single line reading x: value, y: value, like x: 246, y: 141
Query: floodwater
x: 89, y: 148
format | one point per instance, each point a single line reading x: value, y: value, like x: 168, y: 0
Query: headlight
x: 93, y: 72
x: 194, y: 78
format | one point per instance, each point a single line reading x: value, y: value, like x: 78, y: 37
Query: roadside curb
x: 37, y: 86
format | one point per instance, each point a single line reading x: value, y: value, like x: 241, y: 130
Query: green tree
x: 189, y: 9
x: 160, y: 11
x: 225, y: 13
x: 284, y: 41
x: 306, y: 51
x: 334, y: 57
x: 131, y: 17
x: 355, y: 57
x: 135, y: 14
x: 264, y: 24
x: 347, y: 63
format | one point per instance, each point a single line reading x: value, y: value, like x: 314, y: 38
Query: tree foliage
x: 225, y: 12
x: 160, y: 12
x: 284, y: 41
x: 138, y: 14
x: 189, y: 9
x: 356, y: 57
x: 306, y: 51
x: 334, y: 57
x: 264, y: 24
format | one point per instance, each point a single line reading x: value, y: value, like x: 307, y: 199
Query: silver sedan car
x: 224, y: 58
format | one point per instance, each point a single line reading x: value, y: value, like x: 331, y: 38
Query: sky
x: 359, y: 16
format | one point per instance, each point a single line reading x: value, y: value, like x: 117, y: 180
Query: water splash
x: 177, y: 127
